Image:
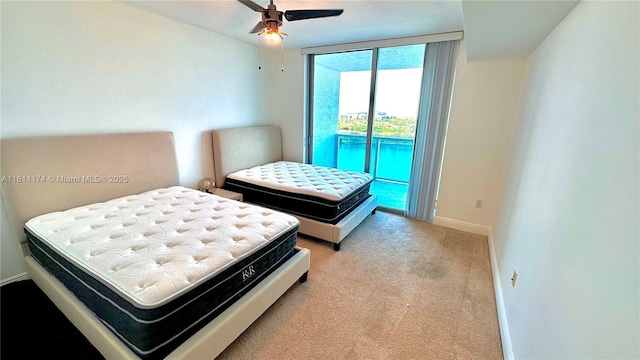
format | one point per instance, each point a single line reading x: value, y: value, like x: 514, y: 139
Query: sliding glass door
x: 364, y: 107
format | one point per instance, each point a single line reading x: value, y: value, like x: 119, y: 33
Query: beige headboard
x: 46, y: 174
x: 244, y: 147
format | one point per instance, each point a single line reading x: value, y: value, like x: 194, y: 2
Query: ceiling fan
x: 272, y: 18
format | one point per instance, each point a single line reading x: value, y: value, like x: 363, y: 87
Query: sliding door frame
x: 371, y: 116
x: 308, y: 142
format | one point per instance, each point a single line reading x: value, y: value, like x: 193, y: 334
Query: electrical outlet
x: 478, y: 204
x: 514, y: 278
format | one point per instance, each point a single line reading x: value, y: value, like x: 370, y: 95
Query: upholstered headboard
x: 244, y: 147
x: 46, y: 174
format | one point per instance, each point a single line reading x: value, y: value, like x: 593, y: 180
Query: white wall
x: 481, y: 120
x: 570, y: 220
x: 100, y: 67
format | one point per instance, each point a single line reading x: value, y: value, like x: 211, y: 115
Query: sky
x: 397, y: 92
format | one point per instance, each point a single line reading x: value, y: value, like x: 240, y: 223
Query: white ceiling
x: 509, y: 29
x: 493, y: 29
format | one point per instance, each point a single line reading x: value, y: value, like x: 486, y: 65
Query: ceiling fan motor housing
x: 272, y: 18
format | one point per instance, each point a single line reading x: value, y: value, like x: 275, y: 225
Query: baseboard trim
x: 14, y: 278
x: 461, y: 225
x: 507, y: 350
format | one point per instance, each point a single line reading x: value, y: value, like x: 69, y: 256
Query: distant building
x: 380, y: 115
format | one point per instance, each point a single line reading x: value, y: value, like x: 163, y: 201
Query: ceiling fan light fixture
x: 272, y: 36
x: 272, y: 32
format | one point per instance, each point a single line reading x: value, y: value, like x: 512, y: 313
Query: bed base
x: 207, y: 343
x: 336, y: 233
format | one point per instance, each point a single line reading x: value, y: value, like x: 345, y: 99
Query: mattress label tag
x: 248, y: 272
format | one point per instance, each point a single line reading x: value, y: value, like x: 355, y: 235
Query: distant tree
x: 396, y: 127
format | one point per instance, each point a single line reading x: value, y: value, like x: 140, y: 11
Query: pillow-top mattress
x: 157, y: 266
x: 317, y: 192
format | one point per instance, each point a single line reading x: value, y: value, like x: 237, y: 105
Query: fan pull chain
x: 259, y: 58
x: 282, y: 52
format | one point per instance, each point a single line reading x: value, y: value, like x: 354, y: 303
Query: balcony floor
x: 390, y: 194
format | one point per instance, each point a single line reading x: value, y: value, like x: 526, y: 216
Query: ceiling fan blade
x: 259, y: 26
x: 253, y: 6
x: 293, y: 15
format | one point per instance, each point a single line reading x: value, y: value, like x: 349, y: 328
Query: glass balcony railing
x: 390, y: 165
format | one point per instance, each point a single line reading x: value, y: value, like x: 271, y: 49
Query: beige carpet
x: 397, y: 289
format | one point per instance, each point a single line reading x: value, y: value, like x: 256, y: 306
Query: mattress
x: 158, y: 266
x: 316, y: 192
